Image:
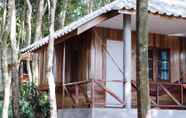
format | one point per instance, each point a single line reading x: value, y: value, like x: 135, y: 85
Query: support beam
x: 63, y: 74
x: 127, y: 62
x: 170, y: 95
x: 95, y: 22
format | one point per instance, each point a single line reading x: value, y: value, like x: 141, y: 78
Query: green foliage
x: 77, y: 8
x: 26, y: 109
x: 33, y: 103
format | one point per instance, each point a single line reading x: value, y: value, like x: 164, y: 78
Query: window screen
x: 163, y: 65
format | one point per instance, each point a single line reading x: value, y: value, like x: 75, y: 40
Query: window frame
x: 169, y: 65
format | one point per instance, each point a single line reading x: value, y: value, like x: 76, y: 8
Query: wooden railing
x: 92, y: 93
x: 167, y: 95
x: 100, y: 85
x: 76, y: 90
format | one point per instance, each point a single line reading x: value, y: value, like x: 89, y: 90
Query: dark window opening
x: 150, y: 65
x: 74, y: 66
x: 23, y: 68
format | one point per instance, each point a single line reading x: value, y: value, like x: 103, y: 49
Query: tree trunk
x: 38, y: 35
x: 28, y: 34
x: 1, y: 72
x: 39, y: 19
x: 7, y: 82
x: 62, y: 15
x: 50, y: 76
x: 89, y: 6
x: 143, y: 99
x: 15, y: 50
x: 15, y: 91
x: 4, y: 63
x: 6, y: 77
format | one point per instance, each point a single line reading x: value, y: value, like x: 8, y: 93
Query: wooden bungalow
x: 95, y: 60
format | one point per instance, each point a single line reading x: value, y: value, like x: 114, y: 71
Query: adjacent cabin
x: 95, y: 62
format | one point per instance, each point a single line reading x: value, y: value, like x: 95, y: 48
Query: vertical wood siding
x: 174, y: 44
x: 89, y: 62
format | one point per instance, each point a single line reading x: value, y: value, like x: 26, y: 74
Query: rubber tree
x: 50, y: 75
x: 4, y: 61
x: 28, y: 33
x: 14, y: 58
x: 62, y: 14
x: 143, y: 98
x: 38, y: 35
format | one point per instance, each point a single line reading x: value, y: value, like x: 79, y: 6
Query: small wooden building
x: 95, y: 57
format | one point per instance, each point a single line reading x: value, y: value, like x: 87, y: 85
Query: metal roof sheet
x: 155, y: 6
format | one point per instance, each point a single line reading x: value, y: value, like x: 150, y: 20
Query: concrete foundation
x: 75, y: 113
x: 117, y: 113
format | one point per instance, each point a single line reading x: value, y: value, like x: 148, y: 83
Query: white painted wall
x: 115, y: 48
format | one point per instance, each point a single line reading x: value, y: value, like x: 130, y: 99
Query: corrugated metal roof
x: 155, y: 6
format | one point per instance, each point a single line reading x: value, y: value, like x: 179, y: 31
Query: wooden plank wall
x: 176, y: 45
x: 183, y: 58
x: 78, y: 58
x: 91, y: 56
x: 77, y: 65
x: 43, y: 59
x: 42, y: 56
x: 59, y: 62
x: 89, y: 62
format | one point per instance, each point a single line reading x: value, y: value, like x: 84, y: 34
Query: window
x: 150, y: 61
x: 23, y: 68
x: 25, y: 71
x: 163, y: 64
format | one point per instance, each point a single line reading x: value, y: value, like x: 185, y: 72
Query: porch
x: 94, y: 93
x: 89, y: 67
x: 107, y: 89
x: 95, y: 62
x: 96, y: 66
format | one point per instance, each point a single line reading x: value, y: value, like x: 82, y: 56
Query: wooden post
x: 63, y: 76
x: 127, y: 59
x: 157, y: 93
x: 92, y: 93
x: 182, y: 99
x: 77, y: 95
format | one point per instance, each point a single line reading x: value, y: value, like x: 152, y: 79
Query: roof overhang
x: 156, y: 8
x: 157, y: 24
